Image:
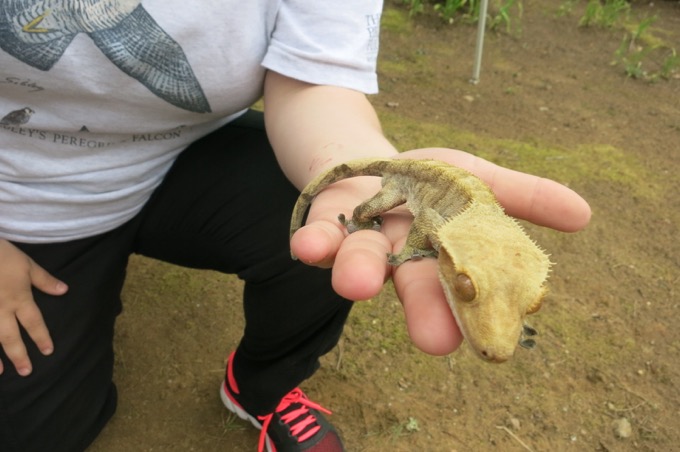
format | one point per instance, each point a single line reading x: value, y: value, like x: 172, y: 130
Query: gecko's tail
x: 354, y: 168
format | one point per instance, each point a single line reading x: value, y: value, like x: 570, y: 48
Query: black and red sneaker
x: 295, y: 425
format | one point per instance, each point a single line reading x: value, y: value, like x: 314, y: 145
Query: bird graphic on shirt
x: 17, y: 117
x: 38, y: 32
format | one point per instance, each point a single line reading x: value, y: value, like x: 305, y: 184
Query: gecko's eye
x: 464, y: 287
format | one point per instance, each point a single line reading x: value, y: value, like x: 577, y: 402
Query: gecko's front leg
x: 422, y: 240
x: 367, y: 215
x: 353, y: 226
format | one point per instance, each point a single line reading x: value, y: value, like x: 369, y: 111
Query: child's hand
x: 18, y: 274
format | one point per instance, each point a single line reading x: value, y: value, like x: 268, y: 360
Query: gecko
x: 492, y: 273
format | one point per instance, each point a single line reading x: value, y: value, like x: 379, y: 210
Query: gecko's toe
x: 528, y: 331
x: 352, y: 225
x: 527, y: 343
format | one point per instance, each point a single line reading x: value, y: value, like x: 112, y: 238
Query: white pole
x: 481, y: 27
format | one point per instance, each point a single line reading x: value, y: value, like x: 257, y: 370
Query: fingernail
x: 24, y: 371
x: 47, y: 351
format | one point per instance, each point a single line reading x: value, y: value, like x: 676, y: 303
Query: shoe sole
x: 235, y: 408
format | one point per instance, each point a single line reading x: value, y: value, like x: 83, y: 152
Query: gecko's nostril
x: 492, y: 357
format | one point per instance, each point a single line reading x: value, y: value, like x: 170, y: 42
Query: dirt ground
x: 605, y: 375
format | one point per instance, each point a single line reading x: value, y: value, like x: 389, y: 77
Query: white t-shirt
x: 98, y: 97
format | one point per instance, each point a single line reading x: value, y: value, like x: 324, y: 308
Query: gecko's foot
x: 373, y: 224
x: 410, y: 254
x: 525, y: 342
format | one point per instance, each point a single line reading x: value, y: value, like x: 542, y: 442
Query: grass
x: 587, y: 162
x: 395, y: 20
x: 642, y: 54
x: 231, y: 422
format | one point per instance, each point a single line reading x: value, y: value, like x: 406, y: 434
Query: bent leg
x: 65, y: 402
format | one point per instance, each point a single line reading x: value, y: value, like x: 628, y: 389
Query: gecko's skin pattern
x: 492, y: 273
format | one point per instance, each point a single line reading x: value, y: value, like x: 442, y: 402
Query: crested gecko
x: 492, y: 273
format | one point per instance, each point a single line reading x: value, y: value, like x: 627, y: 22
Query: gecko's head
x: 493, y: 275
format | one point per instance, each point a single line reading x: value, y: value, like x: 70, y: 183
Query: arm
x: 313, y: 128
x: 316, y: 127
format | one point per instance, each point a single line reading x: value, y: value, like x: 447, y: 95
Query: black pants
x: 225, y: 205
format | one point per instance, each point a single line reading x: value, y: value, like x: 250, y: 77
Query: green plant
x: 504, y: 17
x: 630, y: 54
x: 637, y: 48
x: 604, y: 13
x: 642, y: 28
x: 414, y: 6
x: 412, y: 425
x: 448, y: 9
x: 670, y: 65
x: 566, y: 7
x: 631, y: 60
x: 468, y: 10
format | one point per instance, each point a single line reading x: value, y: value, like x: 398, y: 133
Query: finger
x: 541, y: 201
x: 361, y: 268
x: 317, y: 243
x: 32, y: 321
x: 429, y: 319
x: 42, y: 280
x: 14, y: 347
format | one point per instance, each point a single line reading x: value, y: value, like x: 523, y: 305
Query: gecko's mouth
x: 493, y: 357
x: 500, y: 355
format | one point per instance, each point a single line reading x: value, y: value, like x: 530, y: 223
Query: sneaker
x: 295, y: 425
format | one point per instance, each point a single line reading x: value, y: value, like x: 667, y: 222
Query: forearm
x: 313, y: 128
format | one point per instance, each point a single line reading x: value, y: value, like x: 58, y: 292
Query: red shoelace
x: 297, y: 419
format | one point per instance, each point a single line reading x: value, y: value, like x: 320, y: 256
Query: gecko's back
x: 415, y: 179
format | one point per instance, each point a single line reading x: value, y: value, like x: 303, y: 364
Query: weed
x: 412, y: 425
x: 503, y: 17
x: 638, y: 47
x: 415, y: 6
x: 231, y: 422
x: 670, y: 65
x: 566, y: 7
x: 448, y: 9
x: 605, y: 13
x: 402, y: 429
x: 467, y: 11
x: 633, y: 54
x: 630, y: 55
